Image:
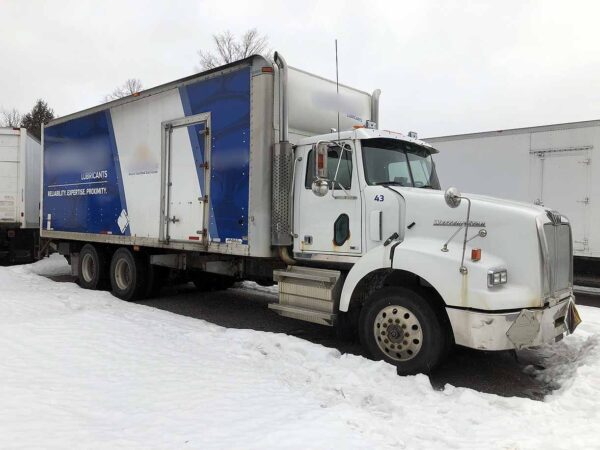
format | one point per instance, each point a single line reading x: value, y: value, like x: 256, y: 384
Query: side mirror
x: 320, y: 187
x: 321, y: 157
x: 452, y: 197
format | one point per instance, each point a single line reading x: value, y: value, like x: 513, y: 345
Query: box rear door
x: 9, y: 176
x: 563, y: 180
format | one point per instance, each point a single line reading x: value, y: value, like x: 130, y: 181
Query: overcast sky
x: 444, y: 67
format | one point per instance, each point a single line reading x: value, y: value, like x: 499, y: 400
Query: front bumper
x: 514, y: 330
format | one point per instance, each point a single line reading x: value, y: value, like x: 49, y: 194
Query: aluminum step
x: 307, y: 315
x: 307, y: 273
x: 307, y: 293
x: 305, y: 302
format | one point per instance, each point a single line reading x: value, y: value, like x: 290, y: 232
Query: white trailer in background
x: 552, y: 166
x: 20, y: 160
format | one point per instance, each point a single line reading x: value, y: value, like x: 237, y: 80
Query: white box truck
x: 20, y: 159
x: 551, y: 166
x: 236, y: 173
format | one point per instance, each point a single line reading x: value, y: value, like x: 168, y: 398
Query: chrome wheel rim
x: 122, y: 274
x: 398, y: 333
x: 88, y: 268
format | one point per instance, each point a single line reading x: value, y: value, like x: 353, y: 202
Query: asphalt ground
x: 502, y: 373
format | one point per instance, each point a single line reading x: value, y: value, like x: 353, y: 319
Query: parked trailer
x: 20, y: 159
x: 548, y: 165
x: 238, y: 173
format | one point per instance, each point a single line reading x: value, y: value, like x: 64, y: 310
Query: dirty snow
x: 83, y: 369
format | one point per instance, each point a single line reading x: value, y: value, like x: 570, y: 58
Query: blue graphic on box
x: 83, y: 189
x: 227, y: 98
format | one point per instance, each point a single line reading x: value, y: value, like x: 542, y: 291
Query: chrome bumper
x: 514, y: 330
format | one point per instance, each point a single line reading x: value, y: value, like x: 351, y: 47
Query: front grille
x: 558, y: 241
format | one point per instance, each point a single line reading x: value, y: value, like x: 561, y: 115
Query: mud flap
x: 572, y: 318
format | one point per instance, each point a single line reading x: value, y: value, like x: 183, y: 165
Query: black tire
x: 412, y: 336
x: 92, y: 268
x: 128, y: 274
x: 207, y: 282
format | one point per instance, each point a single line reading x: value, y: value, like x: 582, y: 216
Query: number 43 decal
x: 379, y: 198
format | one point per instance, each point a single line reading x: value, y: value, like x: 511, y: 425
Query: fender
x: 379, y: 258
x: 376, y: 258
x: 422, y: 257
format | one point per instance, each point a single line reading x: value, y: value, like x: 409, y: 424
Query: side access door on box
x: 560, y: 180
x: 185, y: 171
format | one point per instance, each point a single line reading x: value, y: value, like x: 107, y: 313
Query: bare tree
x: 130, y: 87
x: 10, y: 118
x: 229, y: 48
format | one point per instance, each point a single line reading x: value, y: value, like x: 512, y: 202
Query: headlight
x: 496, y: 277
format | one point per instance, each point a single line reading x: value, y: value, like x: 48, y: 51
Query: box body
x: 20, y: 161
x: 186, y: 165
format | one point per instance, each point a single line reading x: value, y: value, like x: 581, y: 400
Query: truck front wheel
x: 128, y: 274
x: 93, y: 268
x: 401, y: 327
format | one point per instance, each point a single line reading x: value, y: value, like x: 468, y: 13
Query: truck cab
x: 378, y: 249
x: 345, y: 219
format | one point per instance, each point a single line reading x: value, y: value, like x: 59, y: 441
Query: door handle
x: 173, y: 219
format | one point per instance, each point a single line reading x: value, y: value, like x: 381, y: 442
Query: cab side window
x: 344, y: 173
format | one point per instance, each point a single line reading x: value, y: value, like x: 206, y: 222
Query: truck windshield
x: 391, y: 161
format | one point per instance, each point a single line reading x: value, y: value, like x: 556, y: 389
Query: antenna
x: 337, y: 89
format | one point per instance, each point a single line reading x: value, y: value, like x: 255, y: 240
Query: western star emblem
x: 457, y: 223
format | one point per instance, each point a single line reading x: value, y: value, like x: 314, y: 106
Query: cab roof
x: 364, y: 133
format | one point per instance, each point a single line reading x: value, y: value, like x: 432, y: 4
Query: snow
x: 82, y: 369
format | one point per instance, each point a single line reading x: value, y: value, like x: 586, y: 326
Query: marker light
x: 475, y: 254
x: 497, y: 277
x: 320, y: 161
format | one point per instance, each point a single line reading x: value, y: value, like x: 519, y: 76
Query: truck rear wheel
x: 401, y: 327
x: 93, y: 268
x: 128, y: 275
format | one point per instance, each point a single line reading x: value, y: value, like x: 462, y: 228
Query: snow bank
x: 83, y: 369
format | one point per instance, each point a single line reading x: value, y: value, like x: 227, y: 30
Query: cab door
x: 330, y: 224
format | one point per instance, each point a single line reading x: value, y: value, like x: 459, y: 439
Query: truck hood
x: 501, y: 204
x: 512, y: 240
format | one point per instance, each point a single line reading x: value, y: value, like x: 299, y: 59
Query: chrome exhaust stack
x: 282, y: 168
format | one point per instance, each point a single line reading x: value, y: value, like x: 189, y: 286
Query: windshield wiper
x: 389, y: 183
x: 426, y: 186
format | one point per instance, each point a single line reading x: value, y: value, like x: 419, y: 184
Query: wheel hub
x: 398, y: 333
x: 88, y: 268
x: 394, y: 333
x: 123, y: 274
